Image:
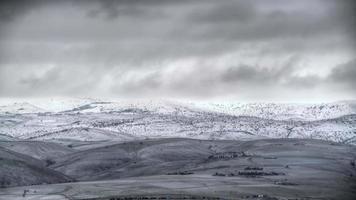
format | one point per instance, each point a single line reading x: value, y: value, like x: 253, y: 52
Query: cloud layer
x: 233, y: 49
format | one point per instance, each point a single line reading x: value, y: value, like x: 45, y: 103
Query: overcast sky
x: 243, y: 50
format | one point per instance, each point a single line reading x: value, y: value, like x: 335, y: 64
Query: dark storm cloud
x: 9, y: 9
x: 112, y: 9
x: 345, y: 74
x: 175, y: 47
x: 231, y: 12
x: 243, y: 21
x: 346, y: 15
x: 210, y: 80
x: 247, y: 73
x: 261, y: 74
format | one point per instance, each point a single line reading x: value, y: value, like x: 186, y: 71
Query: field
x: 187, y: 168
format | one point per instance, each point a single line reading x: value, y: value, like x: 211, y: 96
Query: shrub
x: 49, y: 162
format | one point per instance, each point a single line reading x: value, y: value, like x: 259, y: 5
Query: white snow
x: 92, y: 120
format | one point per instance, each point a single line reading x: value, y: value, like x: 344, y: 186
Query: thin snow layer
x: 95, y: 120
x: 305, y: 112
x: 129, y: 124
x: 280, y: 111
x: 20, y: 108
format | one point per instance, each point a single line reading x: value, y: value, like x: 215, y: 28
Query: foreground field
x: 186, y: 168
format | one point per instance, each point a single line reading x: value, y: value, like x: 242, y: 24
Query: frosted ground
x: 94, y: 120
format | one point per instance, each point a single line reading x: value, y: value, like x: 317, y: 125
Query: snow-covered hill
x: 93, y: 120
x: 20, y: 108
x: 282, y: 111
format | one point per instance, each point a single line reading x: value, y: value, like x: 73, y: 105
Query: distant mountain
x: 94, y: 120
x: 282, y: 111
x: 20, y: 108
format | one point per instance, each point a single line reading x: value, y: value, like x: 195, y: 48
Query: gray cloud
x: 345, y: 74
x: 231, y: 12
x: 242, y: 21
x: 261, y: 75
x: 213, y: 81
x: 346, y: 16
x: 112, y: 9
x: 175, y: 48
x: 9, y: 10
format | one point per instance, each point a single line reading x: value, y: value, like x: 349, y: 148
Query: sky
x: 256, y: 50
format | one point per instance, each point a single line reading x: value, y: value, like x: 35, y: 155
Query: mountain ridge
x: 282, y: 111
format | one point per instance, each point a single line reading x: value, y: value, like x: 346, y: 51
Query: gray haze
x: 258, y: 50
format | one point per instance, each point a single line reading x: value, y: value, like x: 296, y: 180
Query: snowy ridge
x: 20, y: 108
x: 68, y: 105
x: 94, y: 120
x: 305, y: 112
x: 276, y: 111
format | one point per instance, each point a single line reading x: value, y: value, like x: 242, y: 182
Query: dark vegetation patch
x: 159, y: 196
x: 254, y: 168
x: 50, y: 162
x: 284, y: 182
x: 259, y: 197
x: 230, y: 155
x: 258, y: 173
x: 180, y: 173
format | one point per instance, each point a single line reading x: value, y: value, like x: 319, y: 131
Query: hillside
x: 17, y: 169
x: 98, y: 121
x: 176, y: 168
